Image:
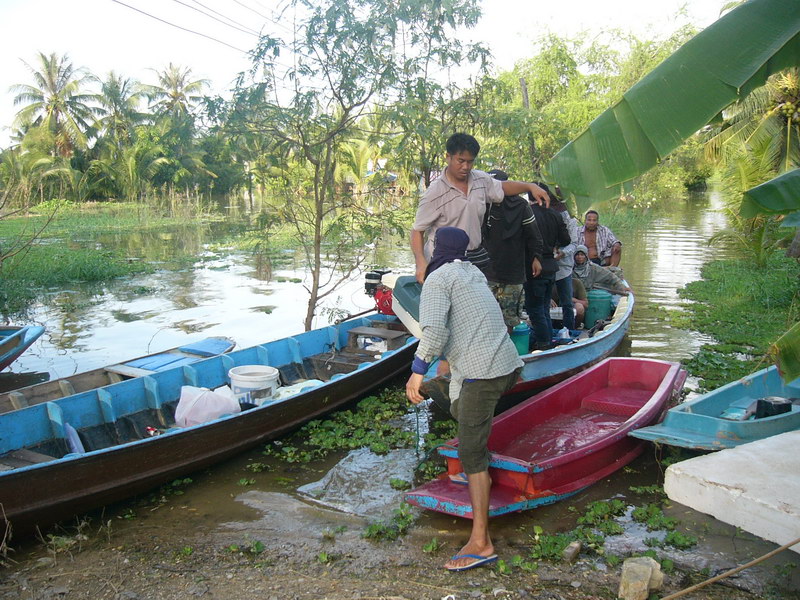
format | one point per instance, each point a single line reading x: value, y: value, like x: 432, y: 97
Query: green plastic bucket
x: 521, y: 336
x: 599, y: 307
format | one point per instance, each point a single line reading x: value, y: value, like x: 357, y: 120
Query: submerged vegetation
x: 745, y: 308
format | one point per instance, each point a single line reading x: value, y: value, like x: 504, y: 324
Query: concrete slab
x: 755, y: 486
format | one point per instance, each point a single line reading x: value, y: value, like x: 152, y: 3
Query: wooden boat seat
x: 23, y: 458
x: 623, y: 402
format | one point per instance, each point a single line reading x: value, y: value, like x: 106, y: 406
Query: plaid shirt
x: 605, y: 240
x: 461, y: 321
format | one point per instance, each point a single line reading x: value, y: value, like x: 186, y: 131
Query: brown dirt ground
x: 142, y: 560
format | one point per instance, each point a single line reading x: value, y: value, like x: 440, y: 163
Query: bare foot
x: 482, y: 550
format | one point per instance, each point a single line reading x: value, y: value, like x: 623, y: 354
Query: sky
x: 137, y: 37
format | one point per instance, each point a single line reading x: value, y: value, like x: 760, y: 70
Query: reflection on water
x: 226, y: 295
x: 661, y: 260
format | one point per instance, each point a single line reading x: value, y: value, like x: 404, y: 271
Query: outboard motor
x: 381, y: 293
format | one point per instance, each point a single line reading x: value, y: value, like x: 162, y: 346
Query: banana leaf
x: 720, y: 65
x: 786, y: 354
x: 779, y: 196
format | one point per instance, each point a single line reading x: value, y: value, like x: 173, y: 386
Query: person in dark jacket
x: 514, y: 244
x: 538, y: 290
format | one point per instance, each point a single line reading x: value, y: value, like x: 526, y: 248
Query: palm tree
x: 176, y: 94
x: 57, y: 102
x: 759, y: 139
x: 119, y: 101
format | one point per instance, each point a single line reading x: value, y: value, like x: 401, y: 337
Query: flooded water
x: 233, y: 295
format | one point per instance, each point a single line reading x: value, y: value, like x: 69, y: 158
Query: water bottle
x: 563, y: 334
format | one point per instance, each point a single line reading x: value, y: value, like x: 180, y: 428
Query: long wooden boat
x: 562, y: 440
x: 137, y: 367
x: 542, y: 368
x: 755, y: 407
x: 127, y: 429
x: 15, y: 340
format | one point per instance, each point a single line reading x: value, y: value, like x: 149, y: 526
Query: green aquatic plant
x: 519, y: 562
x: 258, y: 467
x: 648, y: 490
x: 402, y: 519
x: 746, y: 309
x: 653, y: 517
x: 373, y: 424
x: 680, y: 540
x: 602, y: 511
x: 544, y: 546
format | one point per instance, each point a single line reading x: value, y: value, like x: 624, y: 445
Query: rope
x: 732, y: 571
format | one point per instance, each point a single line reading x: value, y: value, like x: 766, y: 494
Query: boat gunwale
x: 665, y: 388
x: 172, y: 431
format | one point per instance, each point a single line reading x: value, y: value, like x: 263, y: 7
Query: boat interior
x: 568, y: 417
x: 139, y: 408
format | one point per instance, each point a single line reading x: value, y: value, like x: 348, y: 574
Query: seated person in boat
x: 538, y: 289
x: 603, y: 246
x: 510, y: 235
x: 580, y: 302
x: 458, y: 198
x: 461, y: 320
x: 594, y: 276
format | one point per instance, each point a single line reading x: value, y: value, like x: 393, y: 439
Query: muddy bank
x: 222, y: 539
x: 146, y: 562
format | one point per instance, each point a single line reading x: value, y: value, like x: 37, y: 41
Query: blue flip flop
x: 459, y: 478
x: 480, y: 561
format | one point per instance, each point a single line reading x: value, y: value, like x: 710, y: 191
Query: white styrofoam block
x: 754, y: 486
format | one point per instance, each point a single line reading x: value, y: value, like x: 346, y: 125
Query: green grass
x: 60, y: 247
x: 69, y: 220
x: 745, y: 309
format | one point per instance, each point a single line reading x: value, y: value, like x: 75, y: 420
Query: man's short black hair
x: 459, y: 142
x: 592, y: 212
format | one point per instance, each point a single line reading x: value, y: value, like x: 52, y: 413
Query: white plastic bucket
x: 253, y: 384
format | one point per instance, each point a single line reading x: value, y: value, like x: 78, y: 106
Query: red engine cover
x: 383, y: 300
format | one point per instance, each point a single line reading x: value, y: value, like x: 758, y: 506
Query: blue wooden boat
x: 541, y: 369
x: 755, y: 407
x: 69, y: 455
x: 15, y: 340
x: 95, y: 378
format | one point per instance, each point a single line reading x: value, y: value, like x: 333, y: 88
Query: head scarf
x: 449, y: 244
x: 582, y: 271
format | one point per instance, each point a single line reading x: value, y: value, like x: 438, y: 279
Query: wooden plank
x: 127, y: 371
x: 18, y: 400
x: 66, y: 387
x: 23, y: 458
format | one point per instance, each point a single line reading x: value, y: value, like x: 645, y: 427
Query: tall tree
x: 175, y: 102
x: 344, y: 57
x: 119, y: 100
x: 57, y: 101
x: 176, y: 95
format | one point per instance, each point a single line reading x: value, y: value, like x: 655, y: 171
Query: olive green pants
x: 474, y: 410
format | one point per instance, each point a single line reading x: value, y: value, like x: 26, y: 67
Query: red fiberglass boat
x: 564, y: 439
